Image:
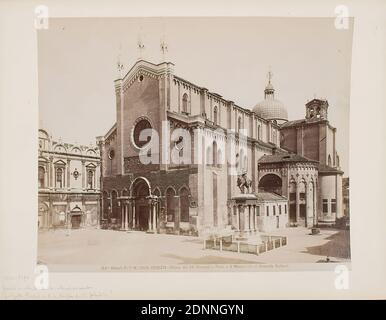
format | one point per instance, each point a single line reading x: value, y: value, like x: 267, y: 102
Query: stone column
x: 246, y: 218
x: 83, y: 175
x: 236, y: 208
x: 251, y: 212
x: 126, y: 216
x: 150, y: 216
x: 241, y: 218
x: 68, y: 174
x: 133, y: 210
x: 122, y: 214
x: 51, y: 175
x: 297, y: 203
x: 154, y: 207
x: 256, y: 222
x: 177, y: 213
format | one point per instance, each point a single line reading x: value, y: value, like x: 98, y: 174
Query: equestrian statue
x: 243, y: 182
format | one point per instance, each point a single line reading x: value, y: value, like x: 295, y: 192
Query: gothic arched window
x: 185, y: 103
x: 214, y: 156
x: 41, y: 178
x: 90, y: 179
x: 239, y: 125
x: 59, y: 178
x: 215, y: 115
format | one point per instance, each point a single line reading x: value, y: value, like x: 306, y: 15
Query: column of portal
x: 126, y: 215
x: 238, y: 218
x: 297, y: 203
x: 133, y: 208
x: 154, y: 208
x: 122, y: 206
x: 149, y: 220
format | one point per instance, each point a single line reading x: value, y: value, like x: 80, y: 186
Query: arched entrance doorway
x: 141, y: 192
x: 144, y: 206
x: 271, y: 183
x: 44, y: 216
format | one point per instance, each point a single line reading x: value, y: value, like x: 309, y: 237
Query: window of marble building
x: 140, y: 126
x: 41, y: 177
x: 59, y: 178
x: 279, y: 209
x: 219, y: 158
x: 90, y: 179
x: 214, y: 156
x: 209, y: 154
x: 267, y: 211
x: 274, y: 137
x: 285, y: 209
x: 325, y: 205
x: 274, y: 210
x: 215, y: 115
x: 333, y: 205
x: 185, y: 103
x: 329, y: 160
x: 239, y: 125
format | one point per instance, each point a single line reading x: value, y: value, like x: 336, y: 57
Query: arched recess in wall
x: 105, y: 203
x: 209, y: 156
x: 41, y: 177
x: 271, y: 183
x: 239, y: 124
x: 214, y: 153
x: 185, y: 103
x: 184, y: 204
x: 329, y: 160
x: 170, y: 204
x: 114, y: 204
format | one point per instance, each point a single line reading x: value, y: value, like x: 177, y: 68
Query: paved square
x: 107, y: 247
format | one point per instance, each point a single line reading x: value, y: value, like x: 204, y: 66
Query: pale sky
x: 230, y: 56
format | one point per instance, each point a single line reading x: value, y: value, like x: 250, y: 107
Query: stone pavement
x: 107, y: 247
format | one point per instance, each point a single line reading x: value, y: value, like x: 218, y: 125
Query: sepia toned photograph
x: 194, y: 144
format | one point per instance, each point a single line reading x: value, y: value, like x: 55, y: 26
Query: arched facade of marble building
x: 68, y: 178
x: 296, y: 179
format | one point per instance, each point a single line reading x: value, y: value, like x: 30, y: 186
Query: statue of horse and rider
x: 243, y: 182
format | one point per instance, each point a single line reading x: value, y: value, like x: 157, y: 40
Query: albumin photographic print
x: 193, y: 144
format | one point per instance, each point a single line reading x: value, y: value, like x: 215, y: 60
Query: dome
x: 271, y: 109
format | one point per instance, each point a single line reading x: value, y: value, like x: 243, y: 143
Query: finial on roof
x: 270, y: 74
x: 164, y: 48
x: 119, y: 63
x: 141, y: 47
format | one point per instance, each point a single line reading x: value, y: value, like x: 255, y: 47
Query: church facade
x: 204, y: 149
x: 68, y: 184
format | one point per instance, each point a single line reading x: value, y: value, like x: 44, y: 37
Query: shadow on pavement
x: 338, y: 246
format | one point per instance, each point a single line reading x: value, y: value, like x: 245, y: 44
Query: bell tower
x: 316, y: 109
